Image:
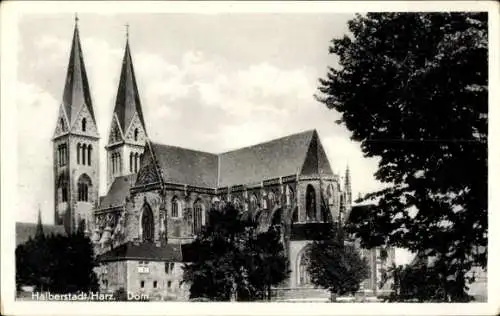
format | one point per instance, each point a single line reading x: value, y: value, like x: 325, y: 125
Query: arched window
x: 61, y: 122
x: 288, y: 195
x: 136, y: 133
x: 271, y: 199
x: 64, y: 193
x: 175, y: 207
x: 253, y: 203
x: 78, y: 149
x: 303, y: 264
x: 131, y: 162
x: 135, y: 161
x: 84, y: 125
x: 113, y: 163
x: 89, y: 155
x: 84, y: 153
x: 310, y: 203
x: 118, y: 163
x: 295, y: 215
x: 148, y: 225
x: 237, y: 204
x: 198, y: 218
x: 84, y: 184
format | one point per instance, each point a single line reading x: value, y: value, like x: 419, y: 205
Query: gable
x: 316, y: 161
x: 115, y: 133
x: 62, y: 123
x: 90, y: 125
x: 149, y: 172
x: 118, y: 192
x: 136, y: 124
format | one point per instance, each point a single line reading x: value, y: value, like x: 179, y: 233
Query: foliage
x: 412, y: 88
x: 336, y: 266
x: 422, y: 283
x: 234, y: 260
x: 56, y: 263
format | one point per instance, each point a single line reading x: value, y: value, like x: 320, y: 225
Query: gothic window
x: 136, y: 133
x: 78, y: 149
x: 303, y: 265
x: 61, y: 122
x: 175, y: 207
x: 295, y: 216
x: 288, y: 195
x: 131, y: 162
x: 253, y: 203
x: 237, y: 204
x: 84, y: 125
x: 271, y: 199
x: 198, y: 216
x: 84, y: 184
x: 329, y: 194
x: 89, y: 155
x: 135, y: 161
x: 84, y: 153
x: 62, y: 152
x: 310, y: 203
x: 147, y: 223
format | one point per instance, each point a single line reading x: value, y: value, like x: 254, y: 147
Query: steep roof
x: 76, y: 89
x: 186, y: 166
x: 143, y: 251
x: 277, y: 158
x: 127, y: 98
x: 26, y: 230
x: 300, y: 153
x: 118, y: 191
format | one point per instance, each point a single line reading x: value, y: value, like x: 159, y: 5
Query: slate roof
x: 143, y: 251
x: 186, y: 166
x: 280, y: 157
x: 26, y: 230
x: 127, y: 97
x: 118, y: 191
x: 76, y: 88
x: 298, y: 153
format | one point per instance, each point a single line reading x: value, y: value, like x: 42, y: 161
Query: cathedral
x: 158, y: 196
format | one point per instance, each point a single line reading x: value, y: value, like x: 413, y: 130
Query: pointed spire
x: 347, y: 185
x: 39, y: 227
x: 76, y: 89
x: 127, y: 98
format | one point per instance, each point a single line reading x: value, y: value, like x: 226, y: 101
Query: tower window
x: 142, y: 284
x: 136, y: 133
x: 84, y: 184
x: 84, y: 125
x: 84, y: 150
x: 62, y: 152
x: 89, y: 155
x: 64, y: 193
x: 155, y: 284
x: 131, y: 163
x: 78, y: 149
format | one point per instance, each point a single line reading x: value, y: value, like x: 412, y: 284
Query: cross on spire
x: 76, y: 19
x: 126, y: 29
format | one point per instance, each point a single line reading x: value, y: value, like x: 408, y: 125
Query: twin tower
x: 76, y: 140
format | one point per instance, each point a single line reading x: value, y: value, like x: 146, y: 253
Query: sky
x: 206, y: 82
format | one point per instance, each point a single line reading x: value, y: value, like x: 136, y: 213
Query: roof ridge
x: 270, y: 141
x: 184, y: 148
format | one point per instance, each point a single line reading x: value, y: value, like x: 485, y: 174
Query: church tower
x: 76, y: 147
x: 127, y: 135
x: 347, y: 188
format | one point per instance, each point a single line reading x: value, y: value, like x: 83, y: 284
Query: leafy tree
x: 232, y: 260
x: 336, y: 266
x: 56, y: 263
x: 413, y: 89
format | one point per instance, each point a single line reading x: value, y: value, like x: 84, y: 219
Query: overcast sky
x: 207, y: 82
